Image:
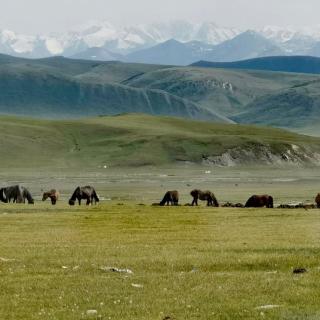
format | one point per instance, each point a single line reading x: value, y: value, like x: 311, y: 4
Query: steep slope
x: 227, y: 92
x: 247, y: 45
x: 43, y: 93
x: 298, y: 64
x: 295, y: 108
x: 139, y: 140
x: 171, y: 52
x: 98, y: 54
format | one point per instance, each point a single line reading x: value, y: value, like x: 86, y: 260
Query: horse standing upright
x: 86, y: 193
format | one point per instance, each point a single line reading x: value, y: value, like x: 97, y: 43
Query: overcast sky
x: 45, y: 16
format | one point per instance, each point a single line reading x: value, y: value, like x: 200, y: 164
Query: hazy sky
x: 44, y: 16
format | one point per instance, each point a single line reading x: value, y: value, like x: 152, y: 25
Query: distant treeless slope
x: 138, y: 140
x: 297, y: 64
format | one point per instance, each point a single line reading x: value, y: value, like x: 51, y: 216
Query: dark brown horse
x: 53, y: 195
x: 171, y: 197
x: 318, y: 200
x: 86, y: 193
x: 260, y: 201
x: 16, y: 194
x: 204, y: 196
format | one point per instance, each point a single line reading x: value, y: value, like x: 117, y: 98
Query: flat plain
x: 187, y: 262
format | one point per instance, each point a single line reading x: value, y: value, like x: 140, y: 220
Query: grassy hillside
x: 65, y: 88
x: 137, y: 140
x: 42, y: 92
x: 227, y: 92
x: 297, y: 107
x: 298, y: 64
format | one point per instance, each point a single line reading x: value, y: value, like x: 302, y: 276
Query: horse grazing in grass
x: 16, y: 194
x: 86, y: 193
x: 53, y: 195
x: 204, y: 196
x: 318, y: 200
x: 260, y: 201
x: 171, y: 197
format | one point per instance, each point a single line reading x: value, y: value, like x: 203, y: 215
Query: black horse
x: 257, y: 201
x: 171, y: 197
x: 16, y: 194
x: 87, y: 193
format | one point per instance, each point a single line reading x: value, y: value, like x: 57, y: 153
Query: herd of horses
x: 19, y: 194
x: 256, y: 201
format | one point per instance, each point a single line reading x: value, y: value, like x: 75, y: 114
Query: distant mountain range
x: 175, y: 43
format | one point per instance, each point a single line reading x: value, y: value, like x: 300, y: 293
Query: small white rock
x: 92, y: 312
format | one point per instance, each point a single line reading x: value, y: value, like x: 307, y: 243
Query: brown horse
x: 171, y: 197
x: 260, y: 201
x: 318, y: 200
x: 204, y: 196
x: 53, y: 195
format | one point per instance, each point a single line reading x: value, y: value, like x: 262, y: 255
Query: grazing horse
x: 204, y: 196
x: 259, y: 201
x: 171, y: 197
x: 53, y: 195
x: 16, y: 194
x: 318, y: 200
x: 87, y: 193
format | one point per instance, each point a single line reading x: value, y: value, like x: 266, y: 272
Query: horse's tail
x: 3, y: 196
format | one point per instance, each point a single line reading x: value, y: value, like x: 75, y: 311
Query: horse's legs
x: 79, y: 199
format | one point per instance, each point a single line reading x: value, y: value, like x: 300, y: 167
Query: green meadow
x: 125, y: 259
x: 183, y: 262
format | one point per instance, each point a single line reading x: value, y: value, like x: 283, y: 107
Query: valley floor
x: 183, y: 263
x: 186, y: 263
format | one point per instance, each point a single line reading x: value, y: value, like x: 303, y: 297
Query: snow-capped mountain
x: 118, y: 40
x: 121, y: 41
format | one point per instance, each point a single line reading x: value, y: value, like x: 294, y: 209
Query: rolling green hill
x: 227, y: 92
x: 67, y: 88
x: 45, y: 91
x: 297, y: 108
x: 298, y: 64
x: 138, y: 140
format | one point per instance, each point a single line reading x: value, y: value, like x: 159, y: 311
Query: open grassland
x: 187, y: 263
x: 135, y: 140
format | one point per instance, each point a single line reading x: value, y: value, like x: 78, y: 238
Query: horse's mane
x: 75, y: 193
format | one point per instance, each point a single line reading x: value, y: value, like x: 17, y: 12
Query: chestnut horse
x: 53, y: 195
